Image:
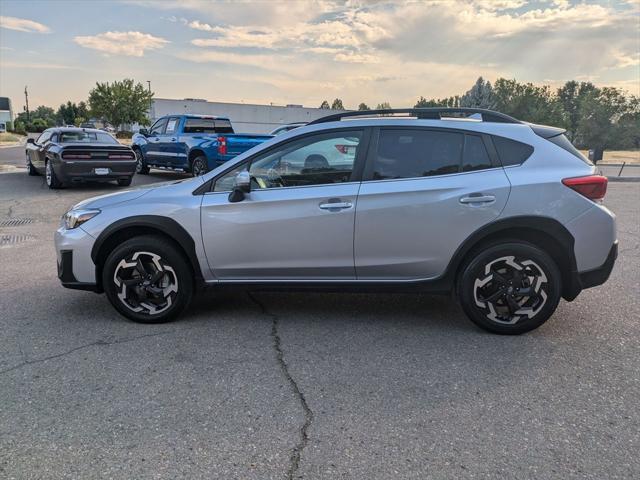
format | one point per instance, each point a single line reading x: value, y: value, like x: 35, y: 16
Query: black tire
x: 31, y: 170
x: 169, y: 294
x: 124, y: 182
x: 491, y: 287
x: 141, y: 164
x: 50, y: 177
x: 199, y: 166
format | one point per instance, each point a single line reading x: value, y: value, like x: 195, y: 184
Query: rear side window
x: 207, y: 125
x: 417, y: 153
x: 511, y: 152
x: 563, y: 142
x: 475, y: 155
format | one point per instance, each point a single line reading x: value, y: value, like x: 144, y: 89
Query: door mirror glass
x: 144, y: 132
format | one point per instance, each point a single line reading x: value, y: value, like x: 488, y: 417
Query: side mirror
x: 241, y: 186
x: 144, y: 132
x: 31, y: 140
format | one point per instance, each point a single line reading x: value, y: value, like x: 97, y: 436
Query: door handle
x: 478, y: 198
x: 335, y: 206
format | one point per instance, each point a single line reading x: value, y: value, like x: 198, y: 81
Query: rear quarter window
x: 511, y: 152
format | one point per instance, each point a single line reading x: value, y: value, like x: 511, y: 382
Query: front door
x: 424, y: 193
x: 37, y: 151
x: 297, y: 222
x: 152, y: 149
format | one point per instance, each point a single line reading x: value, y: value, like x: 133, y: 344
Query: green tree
x: 121, y: 102
x: 363, y: 106
x: 337, y: 105
x: 602, y: 111
x: 324, y: 105
x: 570, y: 96
x: 528, y: 102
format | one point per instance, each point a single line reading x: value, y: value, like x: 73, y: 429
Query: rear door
x: 169, y: 146
x: 424, y: 192
x: 297, y: 222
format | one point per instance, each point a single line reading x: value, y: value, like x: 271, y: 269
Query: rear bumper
x: 83, y: 170
x: 597, y: 276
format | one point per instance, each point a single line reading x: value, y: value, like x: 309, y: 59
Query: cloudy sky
x: 306, y: 51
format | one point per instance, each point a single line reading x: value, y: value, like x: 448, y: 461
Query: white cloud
x: 38, y: 66
x: 132, y: 44
x: 23, y: 25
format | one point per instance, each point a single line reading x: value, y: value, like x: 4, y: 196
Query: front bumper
x: 85, y: 170
x: 75, y: 267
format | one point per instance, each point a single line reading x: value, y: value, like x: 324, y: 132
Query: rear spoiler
x: 545, y: 131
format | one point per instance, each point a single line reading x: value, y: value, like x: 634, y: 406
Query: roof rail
x: 423, y: 113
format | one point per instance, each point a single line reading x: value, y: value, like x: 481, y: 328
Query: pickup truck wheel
x: 199, y: 166
x: 141, y: 166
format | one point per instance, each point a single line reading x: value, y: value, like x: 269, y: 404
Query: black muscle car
x: 69, y: 155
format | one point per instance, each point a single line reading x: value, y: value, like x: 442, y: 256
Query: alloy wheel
x: 511, y: 289
x: 48, y: 173
x: 146, y: 283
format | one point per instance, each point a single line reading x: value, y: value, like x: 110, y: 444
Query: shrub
x: 124, y: 134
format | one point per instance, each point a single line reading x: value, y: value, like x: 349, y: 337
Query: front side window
x: 158, y: 127
x: 43, y: 138
x: 321, y: 159
x: 406, y: 153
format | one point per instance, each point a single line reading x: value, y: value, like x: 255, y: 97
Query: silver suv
x: 506, y: 215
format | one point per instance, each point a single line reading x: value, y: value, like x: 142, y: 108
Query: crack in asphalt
x: 81, y: 347
x: 296, y: 453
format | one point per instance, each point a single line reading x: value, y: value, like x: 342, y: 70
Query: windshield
x: 86, y: 137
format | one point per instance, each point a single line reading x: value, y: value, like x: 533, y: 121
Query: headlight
x: 75, y: 218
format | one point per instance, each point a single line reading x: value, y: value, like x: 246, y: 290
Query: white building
x: 6, y: 112
x: 245, y: 117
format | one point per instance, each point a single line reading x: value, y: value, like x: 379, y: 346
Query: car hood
x: 131, y: 194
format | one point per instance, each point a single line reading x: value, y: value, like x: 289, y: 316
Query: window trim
x: 375, y: 138
x: 177, y: 127
x: 356, y: 174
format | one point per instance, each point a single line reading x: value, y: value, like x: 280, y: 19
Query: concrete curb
x: 623, y: 179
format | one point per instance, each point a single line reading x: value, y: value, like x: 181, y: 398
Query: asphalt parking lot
x: 304, y: 385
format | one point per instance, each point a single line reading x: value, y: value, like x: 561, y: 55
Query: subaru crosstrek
x: 506, y: 215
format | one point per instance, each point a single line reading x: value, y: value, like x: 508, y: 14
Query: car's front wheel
x: 31, y: 170
x: 141, y: 165
x: 509, y: 288
x: 148, y: 280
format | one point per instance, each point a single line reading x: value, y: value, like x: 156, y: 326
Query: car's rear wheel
x: 199, y: 166
x: 148, y: 280
x: 141, y: 165
x: 509, y: 288
x: 124, y: 182
x: 50, y: 176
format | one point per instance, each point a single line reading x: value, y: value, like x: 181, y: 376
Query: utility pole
x: 150, y: 101
x: 26, y: 99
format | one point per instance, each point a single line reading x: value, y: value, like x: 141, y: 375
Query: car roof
x: 195, y: 115
x: 75, y: 129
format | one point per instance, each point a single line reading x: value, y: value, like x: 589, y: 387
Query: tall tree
x: 570, y: 96
x: 527, y: 102
x: 325, y: 105
x: 363, y: 106
x: 601, y: 112
x: 120, y: 102
x: 479, y: 96
x: 337, y: 105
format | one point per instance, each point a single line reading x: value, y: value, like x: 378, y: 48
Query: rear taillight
x: 75, y: 156
x: 113, y: 156
x: 594, y: 187
x: 222, y: 145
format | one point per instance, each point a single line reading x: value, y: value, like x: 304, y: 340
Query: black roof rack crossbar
x: 423, y: 113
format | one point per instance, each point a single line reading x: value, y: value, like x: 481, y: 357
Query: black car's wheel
x: 509, y: 288
x: 199, y: 166
x: 31, y: 170
x: 50, y: 176
x: 124, y: 182
x: 148, y: 280
x: 141, y: 165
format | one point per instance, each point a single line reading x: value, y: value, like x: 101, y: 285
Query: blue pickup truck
x: 190, y: 143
